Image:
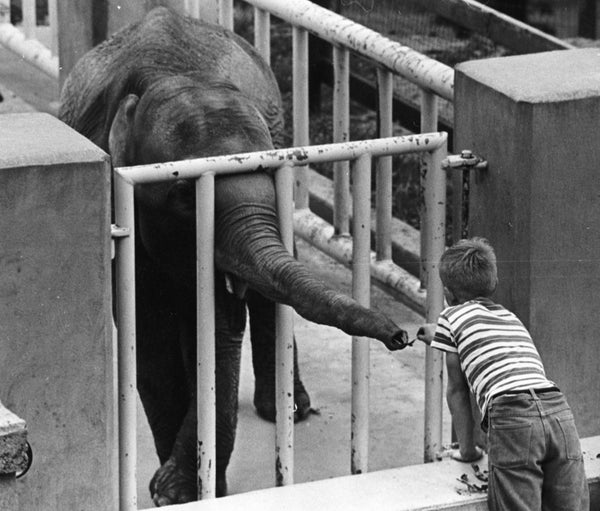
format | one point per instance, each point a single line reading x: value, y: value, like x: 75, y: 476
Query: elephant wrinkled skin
x: 171, y: 88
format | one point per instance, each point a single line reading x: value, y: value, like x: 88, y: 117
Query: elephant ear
x: 120, y: 142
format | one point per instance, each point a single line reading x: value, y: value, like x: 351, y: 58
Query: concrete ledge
x: 426, y: 487
x: 13, y: 442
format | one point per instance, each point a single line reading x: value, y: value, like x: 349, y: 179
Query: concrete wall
x: 56, y: 351
x: 535, y: 119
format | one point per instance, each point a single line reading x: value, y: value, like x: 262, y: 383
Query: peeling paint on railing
x: 421, y: 70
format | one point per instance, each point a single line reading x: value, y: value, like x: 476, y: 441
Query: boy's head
x: 468, y: 269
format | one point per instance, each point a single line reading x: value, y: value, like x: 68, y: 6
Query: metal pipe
x: 429, y: 118
x: 435, y: 216
x: 205, y: 316
x: 419, y: 69
x: 300, y: 108
x: 284, y: 353
x: 341, y: 133
x: 385, y: 81
x: 297, y: 156
x: 127, y: 386
x: 226, y: 14
x: 30, y: 50
x: 361, y: 282
x: 262, y: 34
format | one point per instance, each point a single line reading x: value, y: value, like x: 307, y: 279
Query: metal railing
x: 433, y: 148
x: 393, y: 59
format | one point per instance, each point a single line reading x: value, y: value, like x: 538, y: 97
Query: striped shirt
x: 495, y: 350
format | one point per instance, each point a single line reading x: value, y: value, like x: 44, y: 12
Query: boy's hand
x: 467, y: 456
x: 426, y: 333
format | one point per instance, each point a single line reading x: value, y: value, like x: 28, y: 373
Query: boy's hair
x: 468, y: 268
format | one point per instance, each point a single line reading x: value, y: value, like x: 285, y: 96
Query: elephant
x: 171, y: 88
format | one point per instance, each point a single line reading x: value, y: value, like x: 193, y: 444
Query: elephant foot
x: 264, y: 401
x: 172, y: 485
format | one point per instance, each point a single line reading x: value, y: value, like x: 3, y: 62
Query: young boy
x: 535, y: 459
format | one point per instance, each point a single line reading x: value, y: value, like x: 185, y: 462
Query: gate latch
x: 463, y: 161
x: 118, y: 232
x: 115, y: 233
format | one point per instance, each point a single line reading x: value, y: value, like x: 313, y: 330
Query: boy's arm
x: 459, y: 402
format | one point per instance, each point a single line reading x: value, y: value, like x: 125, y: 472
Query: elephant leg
x: 162, y: 384
x: 262, y: 336
x: 175, y: 481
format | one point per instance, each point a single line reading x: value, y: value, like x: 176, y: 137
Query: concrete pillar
x: 57, y: 357
x: 535, y: 119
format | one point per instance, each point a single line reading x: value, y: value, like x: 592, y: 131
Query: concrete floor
x: 322, y: 443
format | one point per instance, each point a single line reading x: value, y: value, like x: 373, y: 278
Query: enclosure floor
x: 322, y: 443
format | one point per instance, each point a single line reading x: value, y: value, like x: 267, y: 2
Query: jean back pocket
x: 509, y: 444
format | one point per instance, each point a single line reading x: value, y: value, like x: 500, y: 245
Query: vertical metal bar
x: 262, y: 33
x: 226, y: 13
x: 361, y: 278
x: 205, y: 314
x: 284, y: 352
x: 341, y: 133
x: 385, y: 80
x: 125, y: 277
x: 53, y: 22
x: 435, y: 217
x: 300, y: 109
x: 429, y: 120
x: 29, y: 18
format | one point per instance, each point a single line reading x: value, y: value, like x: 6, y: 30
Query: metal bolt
x: 466, y: 154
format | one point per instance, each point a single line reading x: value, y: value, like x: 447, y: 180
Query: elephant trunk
x: 249, y: 246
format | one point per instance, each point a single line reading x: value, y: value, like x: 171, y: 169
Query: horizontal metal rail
x: 497, y: 26
x: 296, y: 156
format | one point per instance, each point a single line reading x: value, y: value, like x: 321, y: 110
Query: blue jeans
x: 535, y: 460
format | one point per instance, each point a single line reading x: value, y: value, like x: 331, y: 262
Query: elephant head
x: 181, y: 117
